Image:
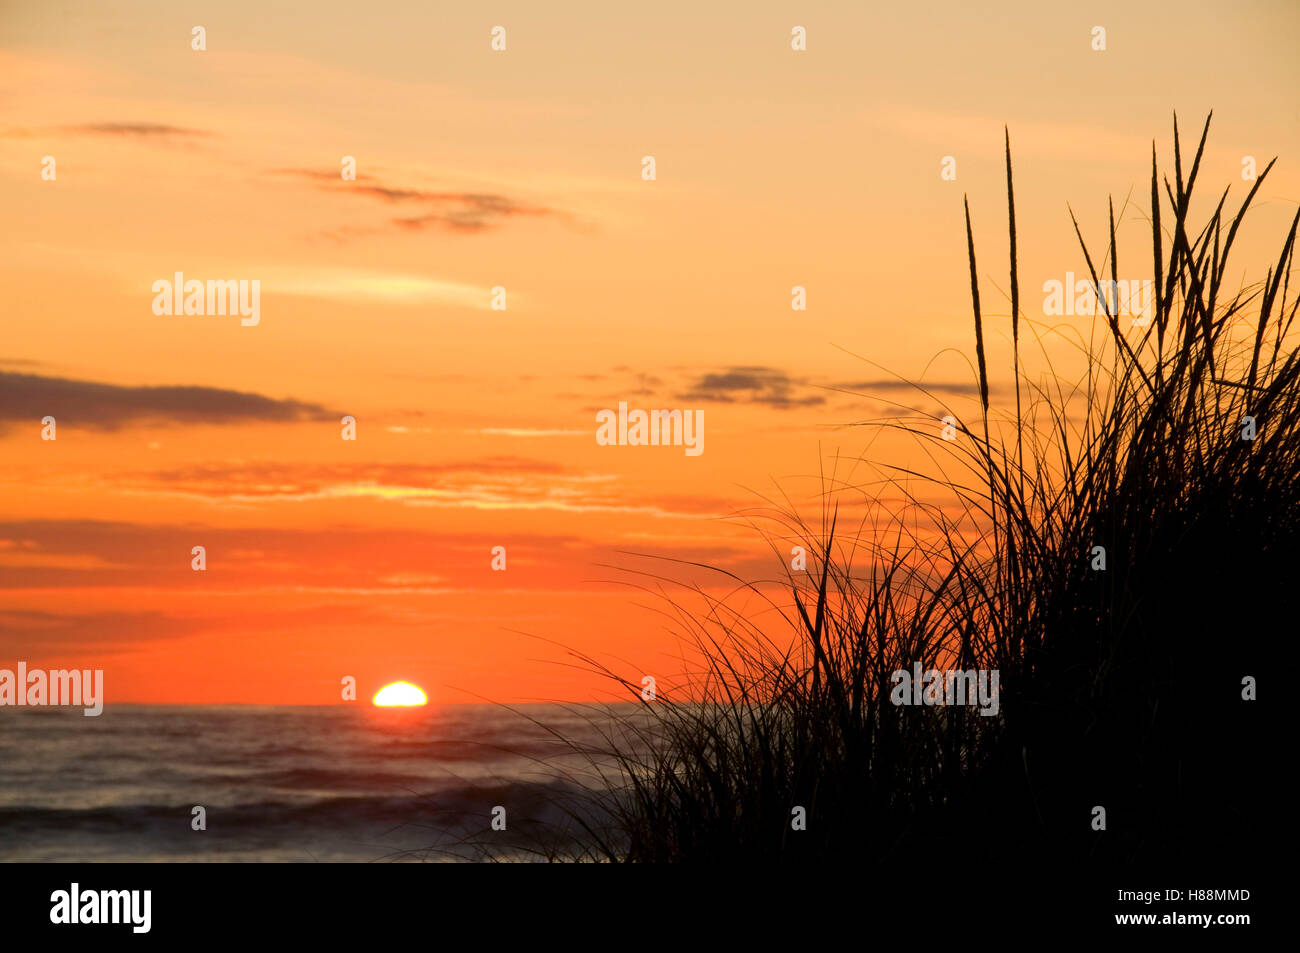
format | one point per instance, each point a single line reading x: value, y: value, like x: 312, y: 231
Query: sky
x: 522, y: 169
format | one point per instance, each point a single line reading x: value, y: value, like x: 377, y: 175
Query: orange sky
x: 520, y: 169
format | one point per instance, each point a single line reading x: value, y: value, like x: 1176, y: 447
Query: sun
x: 400, y: 693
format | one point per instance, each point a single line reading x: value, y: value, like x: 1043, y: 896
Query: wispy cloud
x: 490, y: 483
x: 528, y: 432
x: 155, y: 131
x: 137, y: 130
x: 453, y: 210
x: 112, y: 632
x: 98, y: 406
x: 867, y: 387
x: 775, y: 388
x: 754, y: 385
x: 98, y: 557
x: 21, y: 629
x: 362, y: 285
x: 272, y: 478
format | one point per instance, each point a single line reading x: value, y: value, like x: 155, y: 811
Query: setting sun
x: 400, y: 693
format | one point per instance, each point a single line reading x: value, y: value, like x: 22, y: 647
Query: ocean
x: 299, y: 784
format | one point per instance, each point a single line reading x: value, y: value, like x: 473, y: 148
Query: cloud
x: 264, y: 478
x: 262, y: 563
x: 30, y: 634
x: 456, y: 211
x: 362, y: 185
x: 25, y: 631
x: 363, y: 285
x: 755, y: 385
x: 497, y: 483
x: 471, y: 213
x: 894, y: 384
x: 97, y: 406
x: 136, y: 130
x: 159, y: 132
x: 528, y: 432
x: 775, y: 388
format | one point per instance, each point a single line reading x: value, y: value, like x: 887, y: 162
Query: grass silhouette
x: 1120, y: 688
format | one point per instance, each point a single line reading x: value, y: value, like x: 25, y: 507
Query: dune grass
x: 1119, y: 688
